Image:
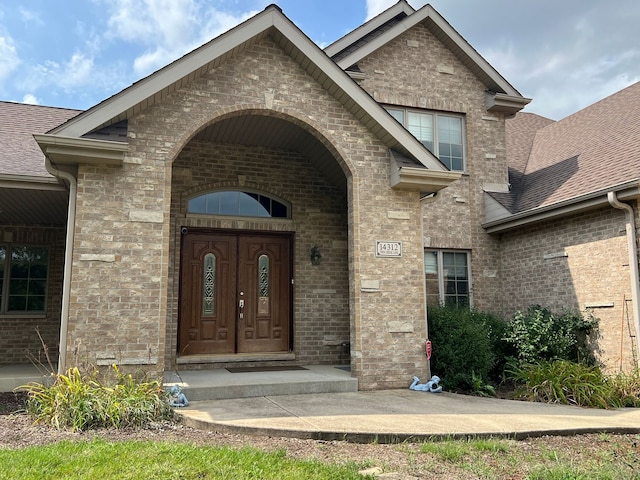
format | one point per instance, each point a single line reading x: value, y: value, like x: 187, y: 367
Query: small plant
x: 481, y: 388
x: 82, y: 402
x: 562, y: 381
x: 627, y: 388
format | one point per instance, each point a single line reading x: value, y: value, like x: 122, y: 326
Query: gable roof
x: 355, y: 46
x: 582, y: 156
x: 20, y: 154
x: 269, y: 23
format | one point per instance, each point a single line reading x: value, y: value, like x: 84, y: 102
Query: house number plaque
x: 388, y: 249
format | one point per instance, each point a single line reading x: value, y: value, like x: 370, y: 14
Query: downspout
x: 633, y: 263
x: 68, y: 260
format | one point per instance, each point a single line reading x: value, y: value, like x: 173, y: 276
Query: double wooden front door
x: 235, y: 293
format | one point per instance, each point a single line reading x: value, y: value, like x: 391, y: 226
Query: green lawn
x: 99, y: 459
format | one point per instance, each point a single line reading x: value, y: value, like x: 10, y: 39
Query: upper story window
x: 441, y: 133
x: 238, y: 203
x: 23, y: 278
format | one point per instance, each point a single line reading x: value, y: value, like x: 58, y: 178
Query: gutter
x: 633, y: 263
x: 596, y: 199
x: 68, y: 260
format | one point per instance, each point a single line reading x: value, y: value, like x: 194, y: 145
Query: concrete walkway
x: 399, y: 415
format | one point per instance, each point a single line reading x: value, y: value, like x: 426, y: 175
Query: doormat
x: 281, y: 368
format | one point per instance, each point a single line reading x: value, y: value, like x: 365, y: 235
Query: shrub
x: 563, y: 381
x: 464, y: 346
x: 540, y: 334
x: 627, y: 388
x: 82, y: 402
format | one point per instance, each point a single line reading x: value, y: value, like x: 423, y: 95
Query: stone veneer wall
x: 576, y: 262
x: 19, y: 340
x: 318, y: 217
x: 121, y: 288
x: 416, y: 70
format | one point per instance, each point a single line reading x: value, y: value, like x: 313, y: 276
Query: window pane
x: 197, y: 205
x: 28, y: 278
x: 228, y: 203
x: 209, y: 285
x: 246, y: 204
x: 397, y: 114
x: 455, y: 275
x: 421, y: 126
x: 450, y: 142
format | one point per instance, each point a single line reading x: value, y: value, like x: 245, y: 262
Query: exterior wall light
x: 315, y: 255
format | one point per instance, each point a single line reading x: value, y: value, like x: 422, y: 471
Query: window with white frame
x: 23, y: 278
x: 448, y: 278
x: 442, y: 134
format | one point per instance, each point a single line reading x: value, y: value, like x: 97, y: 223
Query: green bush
x: 464, y: 347
x: 82, y: 402
x: 563, y: 381
x: 540, y: 334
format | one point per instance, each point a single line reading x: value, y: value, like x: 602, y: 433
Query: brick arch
x: 309, y: 125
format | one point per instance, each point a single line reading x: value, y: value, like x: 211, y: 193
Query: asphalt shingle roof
x: 20, y: 154
x: 593, y: 149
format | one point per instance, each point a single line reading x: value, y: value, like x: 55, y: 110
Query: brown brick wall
x: 575, y: 262
x: 19, y: 340
x: 409, y: 72
x: 123, y: 301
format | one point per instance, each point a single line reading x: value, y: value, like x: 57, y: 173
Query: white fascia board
x: 30, y: 182
x: 73, y: 150
x: 625, y: 191
x: 418, y: 17
x: 163, y: 78
x: 364, y: 30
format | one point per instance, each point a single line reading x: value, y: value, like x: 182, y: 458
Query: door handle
x: 241, y: 308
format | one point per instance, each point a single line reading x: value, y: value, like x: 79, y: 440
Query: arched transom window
x: 238, y: 203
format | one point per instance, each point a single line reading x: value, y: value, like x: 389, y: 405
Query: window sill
x: 29, y: 316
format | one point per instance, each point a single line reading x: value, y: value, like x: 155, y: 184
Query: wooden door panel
x: 264, y: 326
x: 207, y: 328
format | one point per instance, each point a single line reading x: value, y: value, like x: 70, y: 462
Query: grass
x: 595, y: 456
x: 600, y: 457
x: 99, y: 459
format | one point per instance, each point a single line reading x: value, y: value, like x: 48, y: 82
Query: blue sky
x: 565, y: 54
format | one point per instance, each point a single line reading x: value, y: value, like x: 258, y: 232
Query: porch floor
x: 218, y: 384
x: 14, y: 376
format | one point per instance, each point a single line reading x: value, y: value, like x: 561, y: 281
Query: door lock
x: 241, y: 308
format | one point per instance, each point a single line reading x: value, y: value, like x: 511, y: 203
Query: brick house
x: 567, y: 228
x: 264, y: 202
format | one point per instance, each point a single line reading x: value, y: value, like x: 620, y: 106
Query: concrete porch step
x: 14, y: 376
x: 216, y: 384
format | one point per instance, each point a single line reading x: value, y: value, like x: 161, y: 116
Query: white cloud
x: 30, y: 99
x: 30, y: 16
x: 167, y: 29
x: 9, y: 59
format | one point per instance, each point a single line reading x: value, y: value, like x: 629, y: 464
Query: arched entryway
x: 252, y: 195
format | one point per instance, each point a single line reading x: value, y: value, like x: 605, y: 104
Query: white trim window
x: 442, y: 134
x: 448, y: 278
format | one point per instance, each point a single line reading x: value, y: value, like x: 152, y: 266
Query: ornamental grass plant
x: 84, y: 401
